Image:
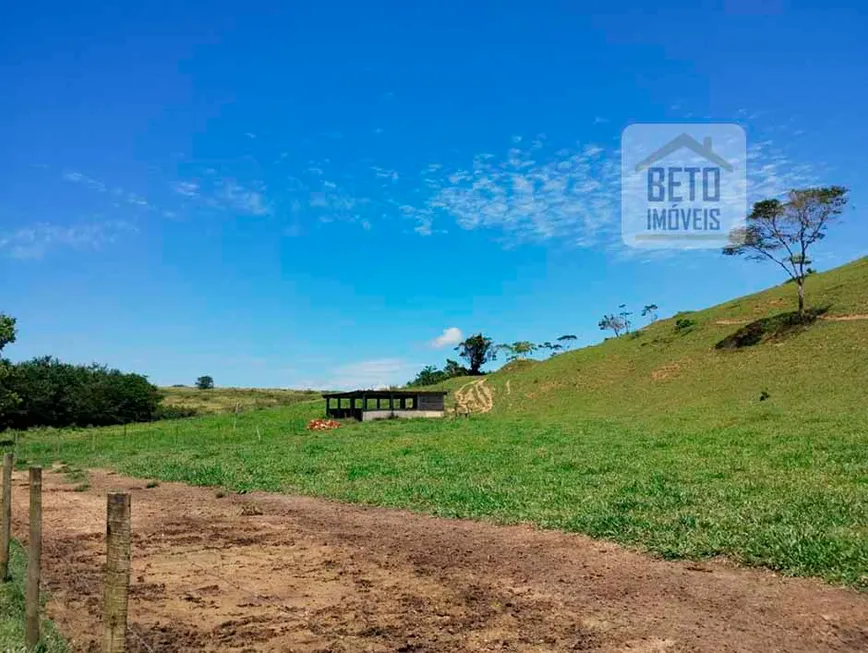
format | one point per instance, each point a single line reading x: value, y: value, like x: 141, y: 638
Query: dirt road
x: 276, y: 573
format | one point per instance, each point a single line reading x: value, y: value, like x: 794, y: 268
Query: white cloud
x: 379, y: 373
x: 385, y: 173
x: 571, y: 196
x: 247, y: 199
x: 451, y: 336
x: 121, y: 196
x: 771, y: 172
x: 187, y: 188
x: 84, y: 180
x: 529, y: 194
x: 33, y: 242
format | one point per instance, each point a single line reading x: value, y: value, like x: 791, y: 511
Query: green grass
x: 657, y: 441
x: 12, y: 611
x: 227, y: 400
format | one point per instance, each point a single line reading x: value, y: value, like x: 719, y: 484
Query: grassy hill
x: 658, y: 441
x: 665, y: 373
x: 227, y: 400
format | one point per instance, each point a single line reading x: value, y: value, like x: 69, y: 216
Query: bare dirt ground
x: 474, y: 397
x: 280, y: 573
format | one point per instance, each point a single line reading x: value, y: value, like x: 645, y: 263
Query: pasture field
x: 768, y: 489
x: 658, y: 440
x: 228, y: 400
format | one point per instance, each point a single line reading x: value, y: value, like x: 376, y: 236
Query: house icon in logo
x: 703, y: 149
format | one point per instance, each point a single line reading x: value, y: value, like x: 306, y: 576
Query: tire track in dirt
x: 274, y: 573
x: 474, y: 397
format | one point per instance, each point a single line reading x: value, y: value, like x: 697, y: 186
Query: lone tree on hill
x: 650, y: 310
x: 521, y: 349
x: 205, y: 383
x: 625, y: 317
x: 782, y: 231
x: 478, y: 350
x: 614, y: 323
x: 567, y: 340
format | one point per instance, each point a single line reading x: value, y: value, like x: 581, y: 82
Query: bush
x: 684, y: 324
x: 47, y: 392
x: 430, y: 375
x: 175, y: 412
x: 771, y: 328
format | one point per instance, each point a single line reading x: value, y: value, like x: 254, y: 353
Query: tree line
x: 47, y: 392
x: 479, y: 349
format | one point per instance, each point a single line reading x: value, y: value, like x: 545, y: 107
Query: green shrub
x: 684, y: 324
x: 175, y: 412
x: 48, y: 392
x: 771, y: 328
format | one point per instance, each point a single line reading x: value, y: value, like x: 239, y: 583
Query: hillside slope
x: 671, y: 373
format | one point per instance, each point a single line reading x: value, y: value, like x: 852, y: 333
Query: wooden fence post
x: 117, y: 572
x: 6, y: 518
x: 34, y: 561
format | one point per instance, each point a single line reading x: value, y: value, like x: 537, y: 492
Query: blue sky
x: 288, y: 194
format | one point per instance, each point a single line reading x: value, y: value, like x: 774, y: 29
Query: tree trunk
x: 801, y: 284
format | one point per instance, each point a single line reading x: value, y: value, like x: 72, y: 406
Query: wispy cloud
x: 771, y: 172
x: 528, y: 194
x: 35, y: 241
x: 187, y: 188
x: 245, y: 199
x: 385, y: 173
x: 378, y: 373
x: 225, y: 194
x: 531, y: 191
x: 570, y: 195
x: 84, y: 180
x: 451, y: 336
x: 119, y: 195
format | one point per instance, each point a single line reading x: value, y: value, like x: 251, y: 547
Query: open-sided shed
x: 368, y: 405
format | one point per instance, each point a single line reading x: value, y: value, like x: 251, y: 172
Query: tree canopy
x: 477, y: 350
x: 614, y: 323
x: 7, y: 330
x: 205, y: 382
